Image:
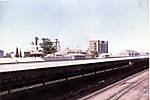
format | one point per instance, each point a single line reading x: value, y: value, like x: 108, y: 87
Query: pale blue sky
x: 123, y: 23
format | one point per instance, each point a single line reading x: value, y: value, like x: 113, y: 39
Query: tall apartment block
x: 98, y: 45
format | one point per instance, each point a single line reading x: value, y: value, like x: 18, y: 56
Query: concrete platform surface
x: 37, y: 65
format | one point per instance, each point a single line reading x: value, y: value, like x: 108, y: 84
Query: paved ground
x: 16, y: 60
x: 39, y: 64
x: 135, y: 88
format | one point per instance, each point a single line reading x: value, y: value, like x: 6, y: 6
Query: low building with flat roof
x: 1, y: 53
x: 129, y: 53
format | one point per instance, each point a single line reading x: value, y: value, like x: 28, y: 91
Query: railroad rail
x: 121, y: 92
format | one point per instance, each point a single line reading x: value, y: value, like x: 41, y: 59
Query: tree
x: 17, y: 53
x: 95, y: 53
x: 20, y: 54
x: 48, y: 46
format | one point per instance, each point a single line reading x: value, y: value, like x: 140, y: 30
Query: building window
x: 95, y: 46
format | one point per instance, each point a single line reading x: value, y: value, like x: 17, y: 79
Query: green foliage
x: 95, y: 53
x: 20, y: 54
x: 48, y: 46
x: 17, y: 53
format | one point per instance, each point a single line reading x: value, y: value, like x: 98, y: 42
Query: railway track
x: 121, y: 92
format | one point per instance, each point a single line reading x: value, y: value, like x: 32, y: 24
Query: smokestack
x: 36, y: 40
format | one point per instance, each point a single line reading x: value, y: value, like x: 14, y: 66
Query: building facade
x: 129, y: 53
x: 99, y: 46
x: 36, y: 50
x: 1, y: 53
x: 27, y: 54
x: 67, y: 51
